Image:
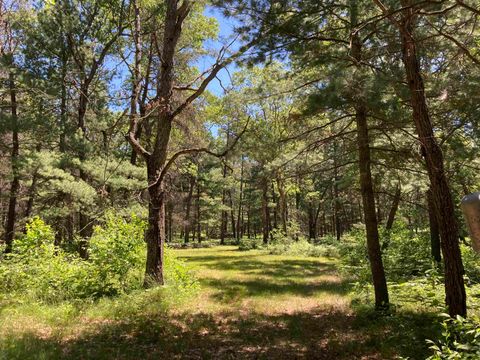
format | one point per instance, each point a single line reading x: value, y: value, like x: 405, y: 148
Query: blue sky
x: 226, y: 31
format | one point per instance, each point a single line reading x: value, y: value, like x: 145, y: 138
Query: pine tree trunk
x: 312, y: 233
x: 370, y: 216
x: 232, y: 214
x: 31, y: 194
x: 15, y: 184
x: 275, y: 209
x: 248, y: 222
x: 224, y: 219
x: 155, y: 237
x: 336, y: 200
x: 366, y: 185
x: 199, y: 226
x: 282, y: 204
x: 170, y: 223
x: 240, y: 204
x: 187, y: 220
x: 442, y: 198
x: 63, y: 104
x: 85, y: 223
x: 376, y: 192
x: 265, y: 212
x: 393, y: 208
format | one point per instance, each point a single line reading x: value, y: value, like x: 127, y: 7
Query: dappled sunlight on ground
x: 255, y: 282
x: 251, y: 305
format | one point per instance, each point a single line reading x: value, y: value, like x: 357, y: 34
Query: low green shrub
x: 37, y: 269
x: 278, y: 236
x: 193, y: 245
x: 178, y: 274
x: 40, y: 271
x: 460, y: 340
x: 328, y: 239
x: 246, y: 244
x: 405, y: 254
x: 302, y: 248
x: 117, y: 253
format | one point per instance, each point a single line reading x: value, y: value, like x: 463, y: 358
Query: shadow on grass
x: 250, y: 264
x: 238, y: 289
x: 307, y: 334
x: 303, y: 335
x: 260, y: 278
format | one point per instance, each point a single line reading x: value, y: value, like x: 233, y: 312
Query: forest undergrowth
x: 291, y: 299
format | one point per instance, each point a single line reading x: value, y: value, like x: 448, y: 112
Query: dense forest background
x: 317, y: 128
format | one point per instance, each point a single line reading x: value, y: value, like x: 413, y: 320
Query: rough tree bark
x: 441, y: 194
x: 164, y: 110
x: 432, y: 153
x: 155, y: 235
x: 33, y: 190
x: 366, y: 183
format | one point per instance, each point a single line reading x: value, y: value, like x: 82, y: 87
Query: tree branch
x: 195, y: 151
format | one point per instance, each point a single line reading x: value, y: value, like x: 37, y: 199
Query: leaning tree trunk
x: 371, y: 225
x: 366, y: 185
x: 391, y: 216
x: 442, y: 198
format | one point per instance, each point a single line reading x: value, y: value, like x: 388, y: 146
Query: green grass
x: 250, y: 305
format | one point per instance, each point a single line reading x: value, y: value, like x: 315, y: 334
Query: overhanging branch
x: 175, y: 156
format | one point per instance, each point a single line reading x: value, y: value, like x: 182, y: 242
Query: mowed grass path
x: 251, y: 305
x: 259, y: 306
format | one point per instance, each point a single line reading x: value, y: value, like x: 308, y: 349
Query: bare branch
x: 195, y: 151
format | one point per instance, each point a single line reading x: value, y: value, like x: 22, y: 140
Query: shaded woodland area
x: 329, y: 142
